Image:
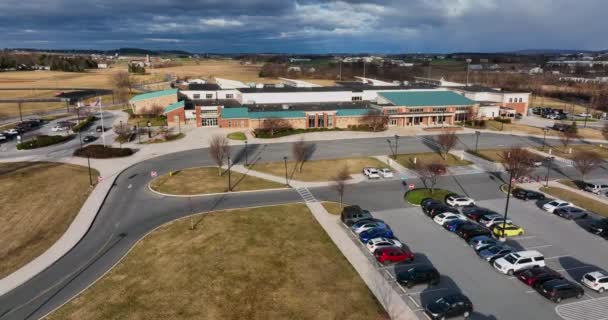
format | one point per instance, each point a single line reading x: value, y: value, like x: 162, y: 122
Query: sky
x: 306, y: 26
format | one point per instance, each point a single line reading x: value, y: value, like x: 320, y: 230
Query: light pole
x: 468, y: 69
x: 477, y: 133
x: 89, y: 165
x: 285, y: 160
x: 504, y: 223
x: 120, y: 138
x: 544, y: 137
x: 550, y: 159
x: 246, y: 160
x: 390, y: 146
x: 396, y: 145
x: 229, y: 182
x: 79, y: 130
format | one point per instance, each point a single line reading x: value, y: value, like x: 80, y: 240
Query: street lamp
x: 89, y: 165
x: 504, y: 223
x: 550, y: 159
x: 396, y: 145
x: 477, y: 133
x: 544, y: 137
x: 229, y: 182
x: 120, y: 138
x: 286, y: 181
x: 246, y: 160
x: 80, y: 130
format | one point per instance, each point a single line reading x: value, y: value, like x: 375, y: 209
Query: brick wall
x: 519, y: 107
x: 171, y: 117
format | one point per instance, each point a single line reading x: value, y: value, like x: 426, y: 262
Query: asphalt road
x: 131, y: 210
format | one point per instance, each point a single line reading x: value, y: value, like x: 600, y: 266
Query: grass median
x: 564, y: 152
x: 578, y: 200
x: 262, y: 263
x: 237, y: 136
x: 333, y: 207
x: 498, y: 155
x: 317, y: 170
x: 206, y: 180
x: 39, y: 201
x: 407, y: 160
x: 416, y: 196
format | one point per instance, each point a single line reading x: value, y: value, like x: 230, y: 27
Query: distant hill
x: 121, y: 51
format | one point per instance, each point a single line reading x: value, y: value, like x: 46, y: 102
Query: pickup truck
x: 371, y: 173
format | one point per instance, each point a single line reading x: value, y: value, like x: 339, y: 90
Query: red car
x: 533, y: 275
x: 393, y: 254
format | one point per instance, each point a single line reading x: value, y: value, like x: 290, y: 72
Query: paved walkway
x: 480, y: 163
x: 547, y: 155
x: 401, y: 170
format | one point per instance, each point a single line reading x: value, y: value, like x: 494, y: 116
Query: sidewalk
x: 401, y: 170
x: 483, y: 164
x: 547, y: 155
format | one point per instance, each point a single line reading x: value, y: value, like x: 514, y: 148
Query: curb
x: 212, y: 194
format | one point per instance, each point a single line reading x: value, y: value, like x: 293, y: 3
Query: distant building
x: 102, y: 66
x: 536, y: 70
x: 294, y: 69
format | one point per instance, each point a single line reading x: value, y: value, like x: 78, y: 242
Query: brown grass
x: 333, y: 207
x: 317, y: 170
x: 586, y: 133
x: 407, y: 160
x: 206, y: 180
x: 262, y: 263
x: 578, y: 200
x: 565, y: 152
x: 39, y: 201
x: 497, y: 155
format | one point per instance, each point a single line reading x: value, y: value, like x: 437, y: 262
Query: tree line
x: 55, y: 62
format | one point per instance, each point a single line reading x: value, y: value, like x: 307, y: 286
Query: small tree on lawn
x: 446, y: 141
x: 340, y: 183
x: 429, y: 173
x: 219, y: 151
x: 605, y: 131
x: 299, y: 152
x: 518, y: 161
x: 123, y: 133
x: 272, y: 125
x: 568, y: 135
x: 586, y: 161
x: 375, y: 120
x: 122, y: 81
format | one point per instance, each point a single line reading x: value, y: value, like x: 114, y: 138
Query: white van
x: 519, y: 260
x: 596, y: 187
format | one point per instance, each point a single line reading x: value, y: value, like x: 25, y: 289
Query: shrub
x: 100, y: 152
x: 84, y: 124
x: 502, y: 120
x: 475, y: 123
x: 43, y: 141
x: 265, y: 133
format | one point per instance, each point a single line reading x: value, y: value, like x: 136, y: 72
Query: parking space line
x: 426, y: 315
x: 539, y: 247
x: 555, y: 257
x: 389, y: 274
x: 402, y: 288
x: 414, y: 301
x: 427, y: 291
x: 590, y: 297
x: 530, y: 291
x: 525, y: 237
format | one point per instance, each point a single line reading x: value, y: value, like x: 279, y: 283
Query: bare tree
x: 123, y: 133
x: 153, y: 111
x: 605, y: 131
x: 122, y: 81
x: 299, y: 152
x: 586, y: 161
x: 219, y: 151
x: 446, y: 141
x: 272, y: 125
x: 518, y: 161
x: 375, y: 120
x: 429, y: 173
x: 340, y: 183
x: 567, y: 136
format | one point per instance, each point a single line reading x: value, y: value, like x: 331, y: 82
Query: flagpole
x: 103, y: 130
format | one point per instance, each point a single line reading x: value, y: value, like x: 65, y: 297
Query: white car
x: 447, y: 217
x: 519, y: 260
x: 552, y: 205
x: 2, y: 137
x: 385, y: 173
x: 11, y: 131
x: 377, y: 243
x: 584, y: 115
x: 491, y: 219
x: 369, y: 225
x: 371, y: 173
x: 459, y: 201
x: 59, y: 128
x: 596, y: 280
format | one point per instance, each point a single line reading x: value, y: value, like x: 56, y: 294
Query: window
x: 521, y: 100
x: 510, y: 99
x: 209, y: 96
x: 417, y: 110
x: 229, y: 96
x: 357, y: 98
x: 311, y: 121
x: 208, y: 111
x: 330, y: 120
x: 196, y: 96
x: 321, y: 121
x: 392, y: 122
x: 441, y: 109
x: 526, y: 260
x: 229, y: 124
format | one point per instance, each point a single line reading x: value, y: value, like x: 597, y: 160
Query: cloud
x: 163, y: 40
x: 220, y: 23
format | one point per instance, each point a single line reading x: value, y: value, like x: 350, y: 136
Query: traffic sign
x: 412, y: 186
x: 153, y: 174
x: 99, y: 179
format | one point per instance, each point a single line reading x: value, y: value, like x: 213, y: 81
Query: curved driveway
x: 131, y: 211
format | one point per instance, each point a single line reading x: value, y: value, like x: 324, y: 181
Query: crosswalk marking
x: 592, y: 309
x: 306, y: 195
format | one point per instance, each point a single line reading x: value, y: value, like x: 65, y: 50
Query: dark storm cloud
x: 305, y: 25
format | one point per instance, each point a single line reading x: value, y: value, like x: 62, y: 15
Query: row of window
x: 210, y: 96
x: 318, y: 121
x: 511, y: 100
x: 236, y: 123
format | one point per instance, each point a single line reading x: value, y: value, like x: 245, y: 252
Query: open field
x: 539, y: 101
x: 565, y: 152
x: 578, y: 200
x: 206, y: 180
x: 317, y: 170
x: 497, y: 155
x: 407, y: 160
x: 39, y: 201
x: 333, y: 207
x: 270, y: 270
x: 586, y: 133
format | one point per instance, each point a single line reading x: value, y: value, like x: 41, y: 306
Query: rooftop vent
x: 285, y: 107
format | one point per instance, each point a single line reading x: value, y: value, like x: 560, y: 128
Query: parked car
x: 459, y: 201
x: 60, y: 128
x: 418, y: 275
x: 435, y: 210
x: 12, y: 132
x: 508, y: 230
x: 519, y: 260
x: 3, y: 137
x: 541, y: 279
x: 467, y: 232
x: 385, y: 173
x: 448, y: 216
x: 393, y: 255
x: 365, y: 236
x: 88, y: 139
x: 352, y: 214
x: 371, y: 173
x: 377, y: 243
x: 571, y: 213
x: 481, y: 242
x: 364, y: 221
x: 491, y: 220
x: 552, y: 205
x: 475, y: 213
x: 597, y: 280
x: 532, y: 275
x: 101, y: 129
x: 559, y: 289
x: 494, y: 252
x: 561, y: 127
x: 454, y: 305
x: 369, y: 226
x: 599, y: 227
x: 524, y: 194
x: 596, y: 186
x: 456, y: 224
x: 427, y: 204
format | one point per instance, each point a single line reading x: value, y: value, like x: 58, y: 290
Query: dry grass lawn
x: 407, y: 160
x: 333, y: 207
x: 39, y: 201
x: 565, y: 152
x: 578, y: 200
x: 537, y: 101
x: 317, y: 170
x: 497, y: 155
x: 206, y: 180
x: 586, y: 133
x: 262, y: 263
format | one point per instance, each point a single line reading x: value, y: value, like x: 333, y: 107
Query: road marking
x: 426, y: 291
x: 414, y: 301
x: 525, y: 237
x: 402, y: 289
x: 594, y: 309
x: 539, y: 247
x: 389, y: 274
x: 555, y: 257
x: 530, y: 291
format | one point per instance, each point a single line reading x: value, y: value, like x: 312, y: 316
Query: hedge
x: 416, y: 196
x: 43, y: 141
x: 98, y: 151
x: 265, y: 133
x: 503, y: 120
x: 475, y: 123
x: 84, y: 124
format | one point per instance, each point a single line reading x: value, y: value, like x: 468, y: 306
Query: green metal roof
x: 154, y: 94
x: 174, y: 106
x: 234, y: 113
x: 276, y: 114
x: 352, y: 112
x: 426, y: 98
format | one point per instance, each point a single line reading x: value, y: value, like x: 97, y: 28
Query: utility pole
x: 477, y: 133
x: 549, y: 169
x: 20, y: 115
x: 468, y: 69
x: 504, y: 223
x: 89, y: 165
x: 286, y: 180
x: 80, y: 130
x: 246, y: 160
x: 229, y: 180
x: 103, y: 129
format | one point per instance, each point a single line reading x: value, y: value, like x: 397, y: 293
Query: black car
x: 352, y: 214
x: 546, y: 277
x: 101, y: 129
x: 469, y: 231
x: 598, y: 227
x: 88, y: 139
x: 451, y: 306
x: 559, y: 289
x: 571, y: 213
x: 524, y: 194
x: 441, y: 208
x: 427, y: 204
x: 417, y: 275
x: 475, y: 213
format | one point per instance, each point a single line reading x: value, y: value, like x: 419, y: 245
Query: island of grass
x: 578, y: 200
x: 39, y: 201
x: 262, y: 263
x: 333, y: 207
x: 564, y: 152
x: 205, y: 180
x: 42, y: 141
x: 237, y: 136
x: 407, y: 160
x: 493, y: 125
x: 317, y: 170
x: 416, y: 196
x: 498, y: 155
